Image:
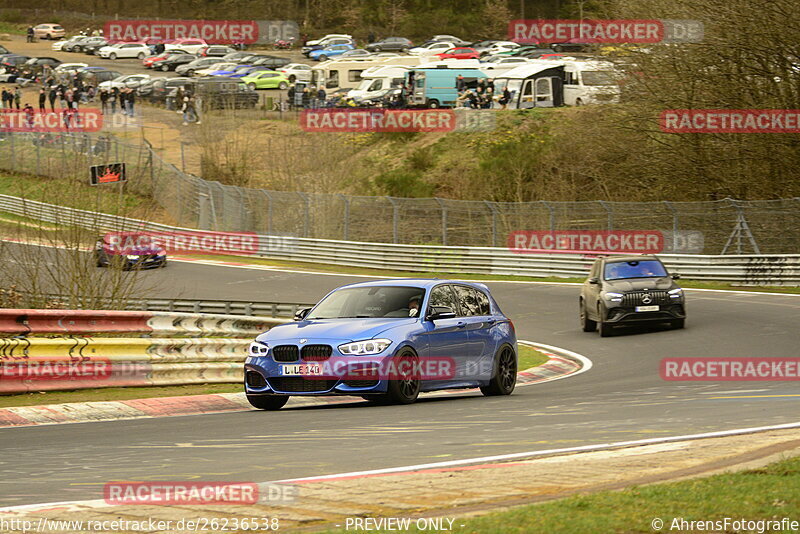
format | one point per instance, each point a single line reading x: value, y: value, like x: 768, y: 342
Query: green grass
x: 529, y: 357
x: 114, y: 394
x: 8, y: 27
x: 767, y: 493
x: 388, y: 273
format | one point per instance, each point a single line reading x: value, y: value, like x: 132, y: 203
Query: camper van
x: 590, y: 82
x: 436, y: 87
x: 375, y: 81
x: 533, y: 85
x: 345, y: 73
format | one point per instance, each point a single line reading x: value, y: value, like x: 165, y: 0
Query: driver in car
x: 413, y: 306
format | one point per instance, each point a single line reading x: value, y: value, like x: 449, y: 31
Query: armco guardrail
x: 743, y: 269
x: 72, y: 361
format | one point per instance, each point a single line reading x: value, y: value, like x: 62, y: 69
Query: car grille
x: 299, y: 384
x: 285, y: 353
x: 317, y: 353
x: 360, y: 383
x: 634, y: 298
x: 255, y: 380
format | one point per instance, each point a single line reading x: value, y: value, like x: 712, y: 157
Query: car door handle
x: 461, y: 324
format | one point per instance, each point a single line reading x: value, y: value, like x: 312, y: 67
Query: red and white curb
x: 561, y: 364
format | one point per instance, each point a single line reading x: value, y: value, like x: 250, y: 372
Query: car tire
x: 48, y: 37
x: 579, y: 102
x: 587, y: 325
x: 141, y: 56
x: 433, y: 104
x: 404, y: 391
x: 677, y: 324
x: 504, y: 375
x: 377, y: 49
x: 323, y: 57
x: 292, y: 78
x: 190, y: 73
x: 404, y: 50
x: 268, y: 402
x: 164, y: 68
x: 112, y: 55
x: 252, y: 86
x: 283, y: 86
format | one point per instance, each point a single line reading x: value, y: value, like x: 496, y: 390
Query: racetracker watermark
x: 66, y: 120
x: 580, y: 241
x: 193, y: 493
x: 228, y: 243
x: 730, y: 369
x: 430, y: 368
x: 66, y: 370
x: 395, y: 120
x: 540, y: 31
x: 730, y: 121
x: 163, y: 31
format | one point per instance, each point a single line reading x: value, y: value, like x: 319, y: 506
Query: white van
x: 590, y: 82
x: 376, y: 80
x: 346, y: 73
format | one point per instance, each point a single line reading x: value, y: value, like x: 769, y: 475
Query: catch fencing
x: 201, y: 348
x: 724, y: 226
x: 753, y: 269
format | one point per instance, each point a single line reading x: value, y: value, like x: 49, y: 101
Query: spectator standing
x: 5, y: 99
x: 371, y: 37
x: 17, y: 97
x: 505, y: 98
x: 322, y: 96
x: 30, y: 34
x: 103, y: 101
x: 130, y: 100
x: 42, y: 100
x: 121, y: 97
x: 28, y: 109
x: 52, y: 93
x: 461, y: 85
x: 112, y: 98
x: 188, y: 109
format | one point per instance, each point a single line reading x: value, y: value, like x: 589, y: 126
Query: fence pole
x: 494, y: 221
x: 552, y: 215
x: 13, y: 157
x: 395, y: 217
x: 269, y: 210
x: 444, y: 219
x: 609, y: 214
x: 346, y: 225
x: 306, y: 212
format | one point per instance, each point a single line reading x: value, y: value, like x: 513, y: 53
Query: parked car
x: 459, y: 53
x: 149, y: 60
x: 215, y: 51
x: 91, y: 49
x: 70, y: 67
x: 242, y: 71
x: 480, y: 46
x: 309, y: 45
x: 498, y: 47
x: 328, y: 52
x: 266, y: 79
x: 59, y: 45
x: 324, y: 43
x: 431, y: 49
x: 357, y: 52
x: 451, y: 39
x: 13, y: 61
x: 81, y: 45
x: 172, y: 61
x: 216, y: 67
x: 235, y: 56
x: 128, y: 80
x: 49, y: 31
x: 227, y: 71
x: 630, y: 290
x: 97, y: 75
x: 124, y: 50
x: 224, y: 93
x: 129, y: 258
x: 271, y: 62
x: 201, y: 63
x: 191, y: 46
x: 538, y: 53
x: 400, y: 44
x: 158, y: 88
x: 70, y: 44
x: 386, y: 341
x: 37, y: 63
x: 297, y: 71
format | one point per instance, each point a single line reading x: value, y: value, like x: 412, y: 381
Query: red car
x: 459, y: 53
x: 149, y: 60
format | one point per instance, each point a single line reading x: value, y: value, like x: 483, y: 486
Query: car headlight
x: 675, y: 293
x: 257, y: 349
x: 614, y: 297
x: 362, y: 348
x: 132, y: 256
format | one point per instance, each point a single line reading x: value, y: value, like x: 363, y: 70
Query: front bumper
x: 628, y: 314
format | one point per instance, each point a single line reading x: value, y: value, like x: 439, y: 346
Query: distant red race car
x: 459, y: 53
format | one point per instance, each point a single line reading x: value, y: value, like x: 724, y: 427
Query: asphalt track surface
x: 621, y: 398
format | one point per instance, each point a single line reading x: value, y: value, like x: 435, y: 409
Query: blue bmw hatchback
x: 386, y: 341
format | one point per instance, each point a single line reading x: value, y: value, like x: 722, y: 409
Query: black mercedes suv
x: 630, y: 289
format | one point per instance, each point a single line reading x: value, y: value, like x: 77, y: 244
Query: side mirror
x: 675, y: 276
x: 594, y: 280
x: 301, y: 314
x: 440, y: 312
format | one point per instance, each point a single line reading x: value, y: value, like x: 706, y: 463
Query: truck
x: 375, y: 81
x: 436, y: 87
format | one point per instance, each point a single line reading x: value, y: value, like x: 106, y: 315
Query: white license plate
x: 646, y: 308
x: 301, y: 369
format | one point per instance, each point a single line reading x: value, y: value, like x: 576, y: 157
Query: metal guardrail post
x: 395, y: 217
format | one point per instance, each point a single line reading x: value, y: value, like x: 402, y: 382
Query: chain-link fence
x: 714, y: 227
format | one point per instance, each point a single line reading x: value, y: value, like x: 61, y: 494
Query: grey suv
x: 630, y: 289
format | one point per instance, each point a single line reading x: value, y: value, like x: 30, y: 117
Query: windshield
x: 370, y: 302
x: 598, y: 77
x: 634, y: 269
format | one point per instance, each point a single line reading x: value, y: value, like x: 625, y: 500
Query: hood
x: 338, y: 329
x: 636, y: 284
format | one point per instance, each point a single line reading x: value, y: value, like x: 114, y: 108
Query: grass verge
x: 328, y: 268
x: 768, y: 493
x: 529, y: 357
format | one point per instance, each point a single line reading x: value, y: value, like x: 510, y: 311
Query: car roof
x: 641, y: 257
x: 412, y: 282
